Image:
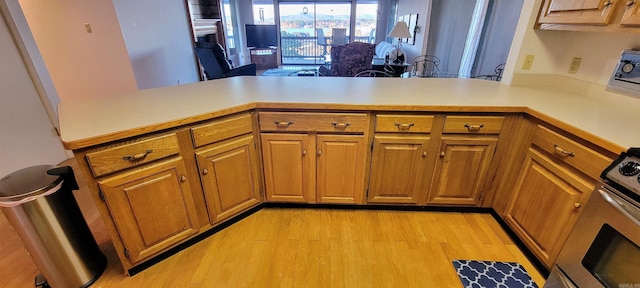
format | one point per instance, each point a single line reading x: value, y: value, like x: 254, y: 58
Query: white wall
x: 158, y: 40
x: 423, y: 9
x: 81, y: 64
x: 27, y: 137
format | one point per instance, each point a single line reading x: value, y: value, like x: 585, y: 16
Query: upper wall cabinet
x: 590, y: 15
x: 597, y: 12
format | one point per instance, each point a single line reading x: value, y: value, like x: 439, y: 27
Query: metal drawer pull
x: 404, y: 126
x: 137, y: 157
x: 473, y: 127
x: 283, y: 123
x: 562, y: 151
x: 341, y: 125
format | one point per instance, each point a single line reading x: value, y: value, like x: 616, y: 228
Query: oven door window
x: 613, y: 259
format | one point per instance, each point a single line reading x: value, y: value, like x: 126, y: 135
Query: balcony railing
x: 306, y: 50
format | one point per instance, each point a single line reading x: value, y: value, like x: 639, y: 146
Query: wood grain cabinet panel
x: 397, y: 168
x: 230, y: 177
x: 631, y: 15
x: 152, y: 208
x: 340, y: 169
x: 289, y: 167
x: 461, y: 170
x: 594, y: 12
x: 545, y: 205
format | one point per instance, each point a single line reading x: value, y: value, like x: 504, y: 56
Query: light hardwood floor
x: 278, y: 247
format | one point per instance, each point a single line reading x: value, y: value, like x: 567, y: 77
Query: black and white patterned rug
x: 491, y: 274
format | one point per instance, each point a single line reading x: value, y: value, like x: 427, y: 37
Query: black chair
x: 214, y: 60
x: 497, y: 76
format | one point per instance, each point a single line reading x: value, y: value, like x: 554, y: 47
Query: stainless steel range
x: 602, y: 249
x: 626, y: 76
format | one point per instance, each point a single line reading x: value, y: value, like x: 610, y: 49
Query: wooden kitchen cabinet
x: 464, y: 156
x: 230, y: 177
x: 288, y: 164
x: 557, y: 176
x: 597, y: 12
x: 545, y: 205
x: 461, y: 170
x: 340, y: 168
x: 397, y: 168
x: 325, y: 164
x: 151, y: 207
x: 400, y: 158
x: 589, y: 15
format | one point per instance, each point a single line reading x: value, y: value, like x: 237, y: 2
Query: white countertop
x: 607, y: 119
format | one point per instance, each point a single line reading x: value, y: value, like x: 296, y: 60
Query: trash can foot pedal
x: 41, y: 281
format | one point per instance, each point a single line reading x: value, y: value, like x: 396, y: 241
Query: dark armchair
x: 214, y: 60
x: 350, y: 59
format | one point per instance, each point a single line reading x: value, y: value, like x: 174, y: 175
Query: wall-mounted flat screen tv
x: 261, y: 36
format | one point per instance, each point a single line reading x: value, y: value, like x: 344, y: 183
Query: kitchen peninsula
x: 191, y: 157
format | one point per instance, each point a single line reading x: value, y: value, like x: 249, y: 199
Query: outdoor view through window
x: 307, y: 30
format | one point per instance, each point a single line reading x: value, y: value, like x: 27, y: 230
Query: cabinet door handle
x: 442, y: 154
x: 283, y: 124
x: 403, y: 126
x: 137, y: 157
x: 205, y: 171
x: 341, y: 125
x: 607, y: 3
x: 630, y: 3
x: 304, y: 152
x: 473, y: 127
x: 577, y: 205
x: 319, y: 152
x: 424, y: 153
x: 562, y: 151
x: 183, y: 178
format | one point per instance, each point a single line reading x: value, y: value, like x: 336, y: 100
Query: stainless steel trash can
x: 39, y: 203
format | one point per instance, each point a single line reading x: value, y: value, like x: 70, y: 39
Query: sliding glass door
x: 309, y: 29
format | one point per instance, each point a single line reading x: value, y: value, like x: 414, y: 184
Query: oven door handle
x: 632, y: 212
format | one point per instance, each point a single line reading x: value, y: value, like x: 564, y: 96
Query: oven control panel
x: 626, y: 76
x: 625, y: 171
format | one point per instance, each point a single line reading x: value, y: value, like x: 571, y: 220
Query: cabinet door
x: 397, y: 168
x: 631, y: 15
x: 229, y: 175
x: 597, y: 12
x: 460, y: 170
x: 545, y: 205
x: 152, y: 208
x: 340, y: 169
x: 289, y: 167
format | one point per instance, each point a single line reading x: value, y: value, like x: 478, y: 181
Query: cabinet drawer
x: 404, y: 123
x: 132, y: 154
x: 571, y: 152
x: 221, y: 129
x: 473, y: 124
x: 321, y: 122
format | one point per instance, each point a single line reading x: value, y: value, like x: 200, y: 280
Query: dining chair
x: 497, y: 76
x: 322, y: 41
x: 338, y: 36
x: 425, y: 66
x: 373, y: 73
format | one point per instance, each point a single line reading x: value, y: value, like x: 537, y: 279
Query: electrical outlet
x: 528, y: 61
x: 575, y: 64
x: 87, y: 28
